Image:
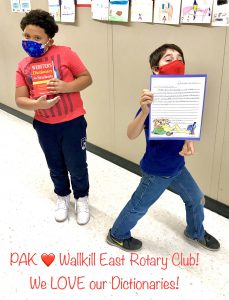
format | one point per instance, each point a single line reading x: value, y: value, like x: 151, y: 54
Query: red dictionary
x: 41, y: 74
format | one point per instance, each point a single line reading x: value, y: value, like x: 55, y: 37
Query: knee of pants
x: 58, y: 172
x: 202, y: 201
x: 78, y: 173
x: 199, y: 202
x: 137, y: 208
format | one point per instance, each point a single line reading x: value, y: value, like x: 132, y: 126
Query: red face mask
x: 174, y: 68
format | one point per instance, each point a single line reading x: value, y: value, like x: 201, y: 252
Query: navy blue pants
x: 64, y: 146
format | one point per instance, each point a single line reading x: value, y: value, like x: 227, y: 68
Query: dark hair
x: 41, y: 18
x: 222, y: 2
x: 157, y: 54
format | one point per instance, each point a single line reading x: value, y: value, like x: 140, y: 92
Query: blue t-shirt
x: 162, y: 156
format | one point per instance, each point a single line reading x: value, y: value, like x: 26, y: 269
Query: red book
x: 41, y: 74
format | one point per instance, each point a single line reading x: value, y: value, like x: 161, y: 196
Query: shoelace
x: 129, y: 240
x: 82, y: 206
x: 207, y: 236
x: 62, y: 203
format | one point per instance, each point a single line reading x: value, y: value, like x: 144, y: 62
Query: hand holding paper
x: 146, y: 100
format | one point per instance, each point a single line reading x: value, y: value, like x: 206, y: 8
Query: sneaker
x: 82, y: 210
x: 207, y: 242
x: 62, y: 206
x: 130, y: 244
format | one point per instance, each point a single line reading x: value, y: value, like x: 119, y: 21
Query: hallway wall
x: 117, y: 57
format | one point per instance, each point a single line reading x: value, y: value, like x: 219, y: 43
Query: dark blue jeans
x: 64, y: 146
x: 149, y: 190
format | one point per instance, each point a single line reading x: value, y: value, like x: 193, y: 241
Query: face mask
x: 34, y: 49
x: 176, y: 67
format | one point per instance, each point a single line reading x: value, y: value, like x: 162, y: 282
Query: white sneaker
x: 82, y: 210
x: 62, y: 206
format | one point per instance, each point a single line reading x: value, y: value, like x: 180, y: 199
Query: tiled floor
x: 28, y: 229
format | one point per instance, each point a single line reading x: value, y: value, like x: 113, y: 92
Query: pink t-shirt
x: 67, y: 66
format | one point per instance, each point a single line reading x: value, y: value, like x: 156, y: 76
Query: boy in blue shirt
x: 162, y: 167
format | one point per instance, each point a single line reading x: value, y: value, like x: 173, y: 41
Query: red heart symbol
x: 48, y: 258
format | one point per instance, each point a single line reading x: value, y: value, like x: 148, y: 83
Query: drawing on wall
x: 68, y: 11
x: 25, y: 5
x: 220, y: 16
x: 118, y: 11
x: 15, y: 6
x: 141, y: 10
x: 54, y: 9
x: 167, y: 11
x: 100, y: 9
x: 196, y: 11
x: 84, y: 3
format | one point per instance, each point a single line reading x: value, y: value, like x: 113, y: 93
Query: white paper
x: 54, y: 9
x: 100, y: 9
x: 141, y: 11
x: 118, y: 11
x: 220, y: 16
x: 176, y: 111
x: 15, y: 6
x: 68, y: 11
x: 167, y: 12
x: 25, y: 5
x: 84, y: 2
x: 196, y: 11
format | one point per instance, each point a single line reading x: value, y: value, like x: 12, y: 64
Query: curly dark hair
x: 41, y: 18
x: 157, y: 54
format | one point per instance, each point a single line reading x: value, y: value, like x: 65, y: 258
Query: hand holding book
x: 56, y: 86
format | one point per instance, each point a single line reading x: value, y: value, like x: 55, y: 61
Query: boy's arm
x: 136, y: 126
x: 57, y: 86
x: 23, y: 101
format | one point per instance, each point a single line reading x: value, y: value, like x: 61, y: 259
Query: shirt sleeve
x: 75, y: 64
x: 146, y: 123
x: 20, y: 79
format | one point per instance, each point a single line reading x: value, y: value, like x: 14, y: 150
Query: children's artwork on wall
x: 118, y: 11
x: 167, y: 11
x: 196, y: 11
x: 100, y: 9
x: 25, y: 5
x: 68, y: 11
x: 15, y: 6
x: 141, y: 11
x: 220, y: 16
x: 84, y: 3
x: 54, y: 9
